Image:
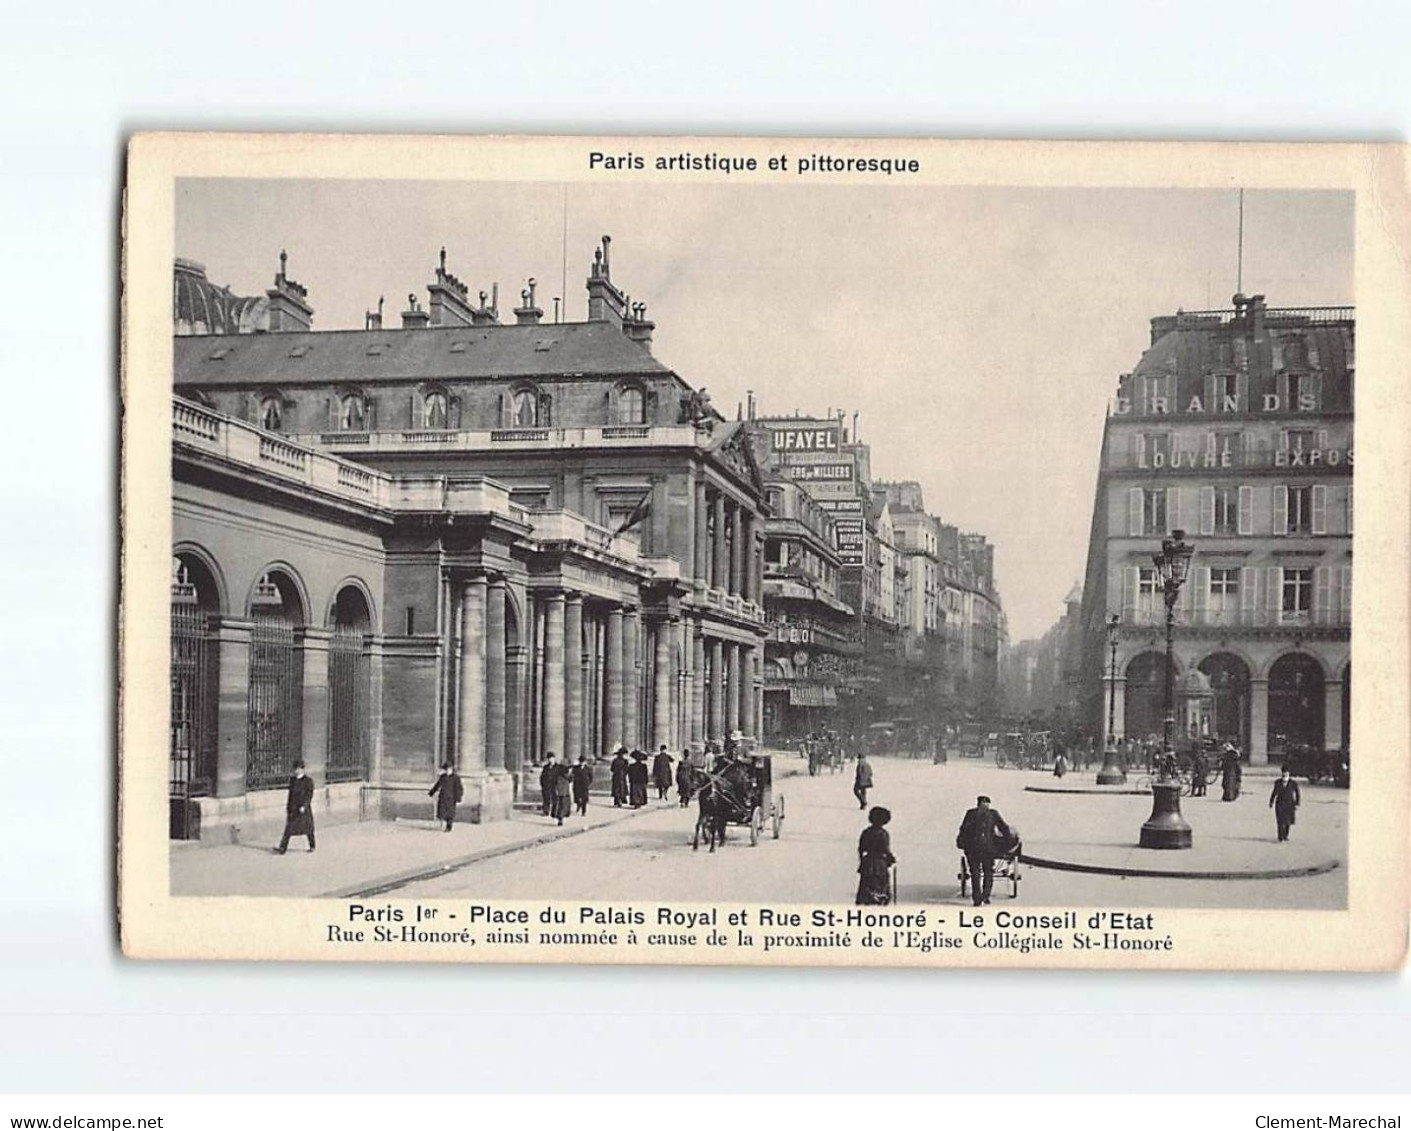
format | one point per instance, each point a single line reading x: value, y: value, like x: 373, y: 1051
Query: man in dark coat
x: 1285, y: 800
x: 661, y: 772
x: 547, y: 776
x: 618, y: 767
x: 862, y: 780
x: 983, y: 836
x: 637, y: 779
x: 685, y: 778
x: 562, y: 787
x: 582, y: 784
x: 298, y: 809
x: 1230, y: 773
x: 448, y: 792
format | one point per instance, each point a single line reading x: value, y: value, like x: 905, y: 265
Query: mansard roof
x: 320, y: 357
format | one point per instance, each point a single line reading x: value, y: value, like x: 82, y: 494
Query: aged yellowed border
x: 1370, y: 935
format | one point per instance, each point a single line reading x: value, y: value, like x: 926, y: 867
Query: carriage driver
x: 983, y: 836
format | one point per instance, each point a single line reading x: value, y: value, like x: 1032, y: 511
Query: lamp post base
x: 1111, y: 773
x: 1166, y: 828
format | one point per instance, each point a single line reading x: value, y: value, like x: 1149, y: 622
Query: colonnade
x: 727, y: 554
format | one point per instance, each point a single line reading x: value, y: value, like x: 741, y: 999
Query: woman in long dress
x: 637, y: 779
x: 563, y: 793
x: 1230, y: 773
x: 875, y: 859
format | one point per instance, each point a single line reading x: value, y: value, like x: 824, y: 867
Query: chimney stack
x: 605, y: 301
x: 487, y: 315
x: 450, y: 304
x: 288, y: 302
x: 414, y: 318
x: 637, y: 326
x: 373, y: 321
x: 528, y: 314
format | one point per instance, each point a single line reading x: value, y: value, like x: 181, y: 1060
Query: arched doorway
x: 195, y: 672
x: 1346, y: 735
x: 1144, y: 702
x: 1229, y: 681
x: 1295, y: 703
x: 348, y: 687
x: 275, y: 729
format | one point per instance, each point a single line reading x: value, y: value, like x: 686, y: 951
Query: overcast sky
x: 979, y: 332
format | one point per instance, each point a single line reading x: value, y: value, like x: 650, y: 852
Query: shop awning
x: 812, y: 695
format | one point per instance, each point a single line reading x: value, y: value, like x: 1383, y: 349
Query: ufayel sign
x: 791, y: 439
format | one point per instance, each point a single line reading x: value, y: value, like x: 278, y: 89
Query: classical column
x: 747, y: 526
x: 717, y: 690
x: 313, y: 726
x: 661, y: 685
x: 1332, y: 714
x: 631, y: 678
x: 553, y: 675
x: 702, y: 533
x: 698, y: 687
x: 573, y: 677
x: 232, y: 705
x: 747, y: 690
x: 737, y: 549
x: 470, y: 725
x: 612, y: 700
x: 516, y: 706
x: 495, y: 698
x: 720, y: 566
x: 1258, y: 722
x: 732, y: 688
x: 681, y: 707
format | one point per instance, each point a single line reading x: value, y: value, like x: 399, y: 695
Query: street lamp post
x: 1111, y: 772
x: 1166, y: 828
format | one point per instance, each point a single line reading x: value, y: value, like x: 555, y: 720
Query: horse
x: 723, y: 798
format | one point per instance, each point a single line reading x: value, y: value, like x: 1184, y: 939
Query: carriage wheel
x: 696, y: 836
x: 776, y: 816
x: 999, y: 760
x: 756, y: 825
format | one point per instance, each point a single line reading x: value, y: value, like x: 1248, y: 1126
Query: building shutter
x: 1249, y: 595
x: 1281, y: 510
x: 1314, y: 384
x: 370, y: 414
x: 332, y: 403
x: 1210, y: 405
x: 414, y: 419
x: 1281, y: 387
x: 1273, y: 593
x: 1242, y: 391
x: 1207, y: 510
x: 1129, y: 594
x: 1171, y: 405
x: 1322, y: 595
x: 1283, y: 445
x: 1320, y: 508
x: 1199, y: 584
x: 455, y: 414
x: 505, y: 421
x: 1134, y: 511
x: 1345, y: 594
x: 1138, y: 449
x: 1244, y: 519
x: 1349, y: 508
x: 1173, y: 509
x: 1261, y: 510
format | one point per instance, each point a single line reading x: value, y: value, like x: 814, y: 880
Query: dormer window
x: 271, y: 414
x: 631, y: 405
x: 352, y: 413
x: 436, y: 410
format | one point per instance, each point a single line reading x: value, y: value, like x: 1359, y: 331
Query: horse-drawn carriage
x: 824, y: 754
x: 737, y: 791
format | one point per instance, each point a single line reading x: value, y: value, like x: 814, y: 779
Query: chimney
x: 637, y: 326
x: 414, y: 318
x: 449, y: 299
x: 605, y: 301
x: 288, y: 302
x: 484, y: 315
x: 1256, y: 316
x: 528, y: 314
x: 373, y: 321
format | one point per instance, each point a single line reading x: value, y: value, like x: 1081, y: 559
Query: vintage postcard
x: 765, y: 551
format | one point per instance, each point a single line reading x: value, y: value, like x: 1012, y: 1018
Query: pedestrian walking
x: 1285, y: 800
x: 1199, y: 768
x: 862, y: 779
x: 547, y: 775
x: 1230, y: 773
x: 983, y: 836
x: 637, y: 779
x: 684, y: 779
x: 582, y: 784
x: 298, y: 809
x: 1060, y: 763
x: 448, y: 792
x: 562, y: 792
x: 661, y: 772
x: 875, y: 859
x: 618, y: 768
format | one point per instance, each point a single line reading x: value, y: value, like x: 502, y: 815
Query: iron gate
x: 347, y: 704
x: 194, y: 667
x: 276, y: 700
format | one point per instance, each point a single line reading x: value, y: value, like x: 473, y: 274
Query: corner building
x: 1236, y: 427
x: 459, y: 539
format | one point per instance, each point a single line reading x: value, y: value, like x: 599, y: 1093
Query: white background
x: 76, y: 78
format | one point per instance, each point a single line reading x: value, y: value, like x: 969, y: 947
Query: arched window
x: 435, y: 411
x: 524, y: 409
x: 352, y: 413
x: 271, y: 414
x: 276, y: 680
x: 194, y: 689
x: 348, y: 687
x: 631, y: 405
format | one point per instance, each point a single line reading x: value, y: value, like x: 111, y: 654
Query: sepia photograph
x: 879, y: 544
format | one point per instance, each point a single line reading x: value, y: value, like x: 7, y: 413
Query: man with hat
x: 983, y: 836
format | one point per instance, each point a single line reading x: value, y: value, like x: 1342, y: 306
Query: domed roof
x: 201, y: 307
